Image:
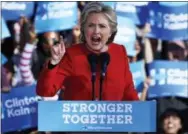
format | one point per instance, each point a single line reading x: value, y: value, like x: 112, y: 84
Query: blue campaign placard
x: 126, y: 34
x: 138, y: 73
x: 168, y: 20
x: 55, y: 16
x: 137, y: 11
x: 19, y: 109
x: 168, y: 78
x: 5, y: 31
x: 13, y: 10
x: 97, y: 116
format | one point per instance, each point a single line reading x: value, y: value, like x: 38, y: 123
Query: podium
x: 97, y: 116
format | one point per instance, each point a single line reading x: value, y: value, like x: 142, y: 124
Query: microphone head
x: 93, y: 59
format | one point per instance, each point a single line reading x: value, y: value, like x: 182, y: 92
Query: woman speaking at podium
x: 96, y: 69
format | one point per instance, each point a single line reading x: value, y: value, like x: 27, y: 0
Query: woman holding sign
x: 96, y: 69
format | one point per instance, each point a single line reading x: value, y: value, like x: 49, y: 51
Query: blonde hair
x: 98, y: 7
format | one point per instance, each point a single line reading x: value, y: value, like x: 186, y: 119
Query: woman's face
x: 49, y: 37
x: 97, y: 32
x: 172, y: 125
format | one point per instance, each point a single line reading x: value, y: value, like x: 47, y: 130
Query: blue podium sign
x: 19, y: 109
x: 97, y: 116
x: 168, y: 78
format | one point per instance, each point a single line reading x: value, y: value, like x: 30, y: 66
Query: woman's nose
x: 97, y: 29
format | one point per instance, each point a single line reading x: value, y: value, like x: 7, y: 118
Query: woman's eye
x: 102, y: 26
x: 90, y: 25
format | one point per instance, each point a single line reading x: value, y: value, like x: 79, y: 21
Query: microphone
x: 93, y: 59
x: 104, y: 59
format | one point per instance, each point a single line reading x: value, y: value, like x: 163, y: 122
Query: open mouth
x: 96, y: 40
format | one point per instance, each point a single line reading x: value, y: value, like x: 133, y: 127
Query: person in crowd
x: 171, y: 122
x: 71, y: 68
x: 74, y: 36
x: 42, y: 53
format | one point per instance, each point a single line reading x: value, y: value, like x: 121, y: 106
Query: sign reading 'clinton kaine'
x: 168, y: 78
x: 13, y: 10
x: 97, y: 116
x: 19, y: 109
x: 55, y: 16
x: 168, y: 20
x: 136, y: 11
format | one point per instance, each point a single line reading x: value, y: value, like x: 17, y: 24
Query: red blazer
x: 74, y: 73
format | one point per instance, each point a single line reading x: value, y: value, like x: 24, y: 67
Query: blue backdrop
x: 55, y: 16
x: 13, y: 10
x: 168, y: 78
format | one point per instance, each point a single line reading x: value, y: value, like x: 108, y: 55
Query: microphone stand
x: 93, y: 77
x: 101, y: 82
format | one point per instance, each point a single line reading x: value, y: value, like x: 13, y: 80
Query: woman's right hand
x: 57, y: 52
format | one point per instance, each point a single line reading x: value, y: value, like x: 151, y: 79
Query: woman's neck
x: 104, y: 49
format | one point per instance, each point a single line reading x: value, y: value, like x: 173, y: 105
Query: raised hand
x: 57, y: 52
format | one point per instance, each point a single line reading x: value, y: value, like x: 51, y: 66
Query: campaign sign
x: 5, y: 31
x: 97, y: 116
x: 19, y: 109
x: 168, y: 78
x: 169, y: 20
x: 126, y: 34
x: 138, y: 73
x: 55, y: 16
x: 13, y: 10
x: 137, y: 11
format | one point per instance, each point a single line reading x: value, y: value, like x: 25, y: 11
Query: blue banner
x: 13, y: 10
x: 5, y: 30
x: 168, y: 20
x: 138, y: 73
x: 137, y: 11
x: 19, y: 109
x: 110, y: 3
x: 126, y: 34
x: 97, y: 116
x: 55, y: 16
x: 168, y: 78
